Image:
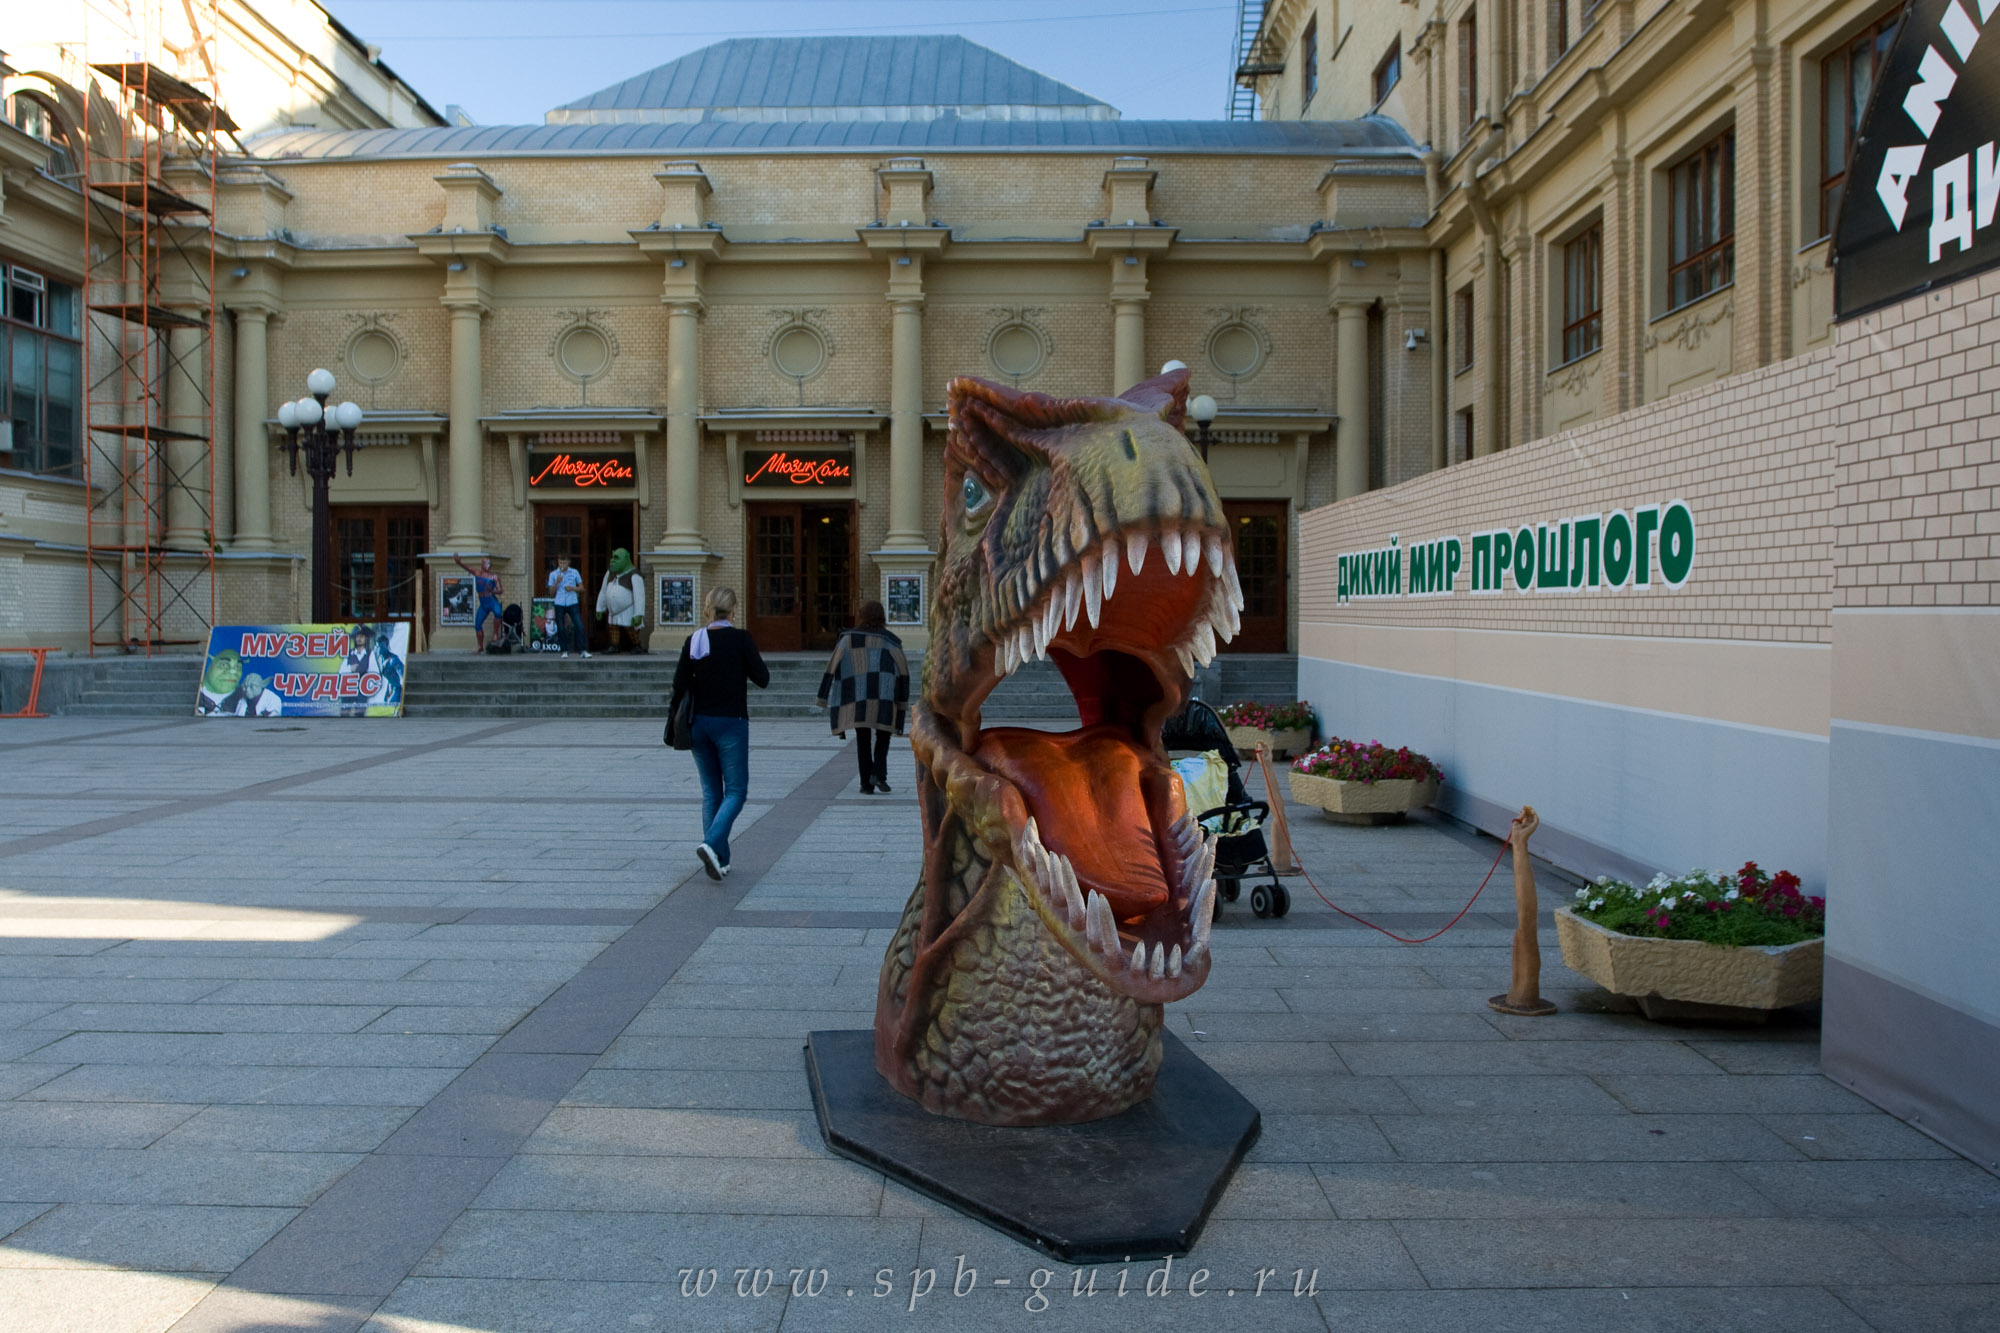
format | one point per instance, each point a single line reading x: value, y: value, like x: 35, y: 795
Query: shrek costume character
x: 621, y: 603
x: 218, y: 695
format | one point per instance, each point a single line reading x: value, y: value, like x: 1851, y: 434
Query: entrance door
x: 374, y: 569
x: 587, y: 534
x: 802, y: 570
x: 1259, y: 528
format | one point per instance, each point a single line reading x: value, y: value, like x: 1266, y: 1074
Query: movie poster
x: 542, y: 636
x: 457, y: 601
x: 304, y: 671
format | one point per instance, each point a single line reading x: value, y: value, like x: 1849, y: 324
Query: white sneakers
x: 710, y: 861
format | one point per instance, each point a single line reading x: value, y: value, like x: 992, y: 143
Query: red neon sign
x: 777, y: 468
x: 585, y: 470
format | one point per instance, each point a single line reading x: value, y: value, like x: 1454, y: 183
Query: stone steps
x: 625, y: 686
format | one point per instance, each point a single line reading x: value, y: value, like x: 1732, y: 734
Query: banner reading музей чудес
x: 304, y: 671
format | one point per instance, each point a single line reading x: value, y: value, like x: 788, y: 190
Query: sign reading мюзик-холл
x: 1652, y: 546
x: 1918, y: 206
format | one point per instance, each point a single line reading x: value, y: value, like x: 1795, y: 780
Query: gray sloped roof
x: 1371, y: 136
x: 835, y: 78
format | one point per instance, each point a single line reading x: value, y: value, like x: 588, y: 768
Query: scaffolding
x: 149, y: 336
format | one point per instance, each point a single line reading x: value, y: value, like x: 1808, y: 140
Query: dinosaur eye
x: 975, y: 495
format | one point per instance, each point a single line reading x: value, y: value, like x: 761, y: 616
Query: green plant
x: 1749, y: 907
x: 1269, y: 717
x: 1352, y: 761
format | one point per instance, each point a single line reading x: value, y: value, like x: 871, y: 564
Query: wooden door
x: 776, y: 566
x: 828, y: 607
x: 1260, y: 528
x: 606, y: 528
x: 374, y: 566
x: 559, y: 530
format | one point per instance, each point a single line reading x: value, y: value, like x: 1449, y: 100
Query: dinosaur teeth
x: 1139, y: 957
x: 1191, y: 553
x: 1092, y: 931
x: 1101, y: 919
x: 1052, y: 610
x: 1211, y: 546
x: 1170, y: 550
x: 1072, y: 600
x: 1071, y: 891
x: 1107, y: 566
x: 1233, y: 584
x: 1174, y: 962
x: 1204, y: 643
x: 1093, y: 590
x: 1202, y: 918
x: 1187, y: 659
x: 1221, y: 614
x: 1135, y: 551
x: 1158, y: 966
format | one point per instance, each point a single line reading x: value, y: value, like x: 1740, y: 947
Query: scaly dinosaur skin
x: 1065, y: 893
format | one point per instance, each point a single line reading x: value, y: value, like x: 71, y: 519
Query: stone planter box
x: 1690, y: 972
x: 1284, y: 744
x: 1362, y: 802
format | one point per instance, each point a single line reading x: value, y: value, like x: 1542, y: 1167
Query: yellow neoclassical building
x: 708, y: 314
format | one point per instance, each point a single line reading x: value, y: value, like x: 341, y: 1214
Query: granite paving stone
x: 467, y: 1086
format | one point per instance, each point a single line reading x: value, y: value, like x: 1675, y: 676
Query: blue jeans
x: 569, y: 626
x: 722, y: 757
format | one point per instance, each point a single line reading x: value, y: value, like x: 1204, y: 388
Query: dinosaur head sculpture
x: 1087, y: 532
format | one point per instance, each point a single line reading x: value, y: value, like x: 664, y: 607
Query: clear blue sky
x: 508, y: 61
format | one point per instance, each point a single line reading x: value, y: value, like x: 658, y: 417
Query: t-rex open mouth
x: 1066, y: 894
x: 1118, y: 870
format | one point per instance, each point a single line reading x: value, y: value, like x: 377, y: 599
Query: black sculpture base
x: 1136, y: 1185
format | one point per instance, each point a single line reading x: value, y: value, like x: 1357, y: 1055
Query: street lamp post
x: 325, y: 434
x: 1201, y: 410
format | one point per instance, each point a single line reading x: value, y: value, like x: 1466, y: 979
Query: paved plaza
x: 424, y: 1025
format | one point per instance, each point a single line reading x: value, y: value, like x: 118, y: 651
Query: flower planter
x: 1362, y: 802
x: 1691, y: 972
x: 1284, y: 744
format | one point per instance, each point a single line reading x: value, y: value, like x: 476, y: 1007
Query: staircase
x: 542, y: 685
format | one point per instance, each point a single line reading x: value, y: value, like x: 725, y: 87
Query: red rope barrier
x: 1402, y: 939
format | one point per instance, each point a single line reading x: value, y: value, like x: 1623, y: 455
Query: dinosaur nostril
x: 1131, y: 444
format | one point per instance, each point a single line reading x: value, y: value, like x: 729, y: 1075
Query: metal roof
x: 782, y: 77
x: 1374, y: 136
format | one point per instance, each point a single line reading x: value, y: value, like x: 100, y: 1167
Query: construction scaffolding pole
x: 150, y: 321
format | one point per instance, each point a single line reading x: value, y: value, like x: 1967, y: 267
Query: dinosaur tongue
x: 1090, y: 791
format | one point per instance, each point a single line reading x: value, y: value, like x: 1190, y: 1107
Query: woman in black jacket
x: 867, y: 687
x: 716, y: 661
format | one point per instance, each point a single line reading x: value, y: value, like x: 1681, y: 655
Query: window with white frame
x: 41, y: 373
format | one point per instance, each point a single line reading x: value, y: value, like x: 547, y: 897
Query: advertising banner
x: 1917, y: 208
x: 542, y: 636
x: 304, y: 671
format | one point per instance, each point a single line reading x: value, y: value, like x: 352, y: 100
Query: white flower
x: 1731, y: 896
x: 1602, y: 880
x: 1667, y: 900
x: 1660, y: 881
x: 1596, y: 903
x: 1687, y: 893
x: 1579, y: 895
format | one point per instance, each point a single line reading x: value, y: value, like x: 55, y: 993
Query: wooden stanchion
x: 1283, y: 860
x: 1524, y: 996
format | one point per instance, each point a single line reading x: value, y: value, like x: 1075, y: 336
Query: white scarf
x: 698, y: 647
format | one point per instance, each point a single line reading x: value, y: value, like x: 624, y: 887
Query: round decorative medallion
x: 1017, y: 350
x: 799, y: 352
x: 584, y: 352
x: 373, y: 356
x: 1236, y: 350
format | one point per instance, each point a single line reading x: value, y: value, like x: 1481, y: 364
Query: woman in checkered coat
x: 866, y: 688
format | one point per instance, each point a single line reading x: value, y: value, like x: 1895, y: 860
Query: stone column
x: 1128, y: 343
x: 187, y: 486
x: 683, y: 425
x: 1486, y: 348
x: 465, y: 522
x: 906, y: 422
x: 1350, y: 477
x: 253, y: 443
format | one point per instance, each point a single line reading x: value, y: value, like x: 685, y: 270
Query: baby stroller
x: 508, y: 635
x: 1213, y: 782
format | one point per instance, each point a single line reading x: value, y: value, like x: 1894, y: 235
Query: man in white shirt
x: 563, y: 582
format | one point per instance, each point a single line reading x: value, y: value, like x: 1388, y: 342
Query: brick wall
x: 1753, y: 458
x: 1916, y: 512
